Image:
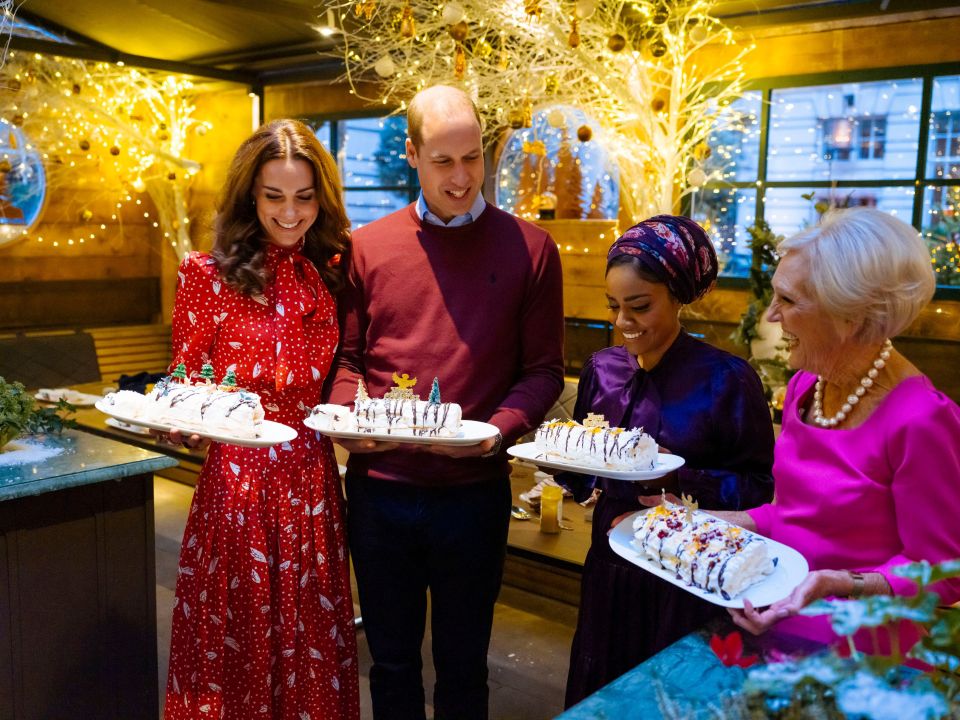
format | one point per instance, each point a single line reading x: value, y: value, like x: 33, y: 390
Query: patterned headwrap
x: 675, y: 250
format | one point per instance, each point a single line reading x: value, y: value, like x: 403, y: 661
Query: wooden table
x: 545, y: 564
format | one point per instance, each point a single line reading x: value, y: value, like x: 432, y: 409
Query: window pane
x: 853, y: 131
x: 736, y: 149
x: 372, y: 152
x: 941, y: 230
x: 726, y: 213
x: 365, y: 206
x: 788, y: 212
x: 943, y: 152
x: 322, y: 130
x: 548, y: 159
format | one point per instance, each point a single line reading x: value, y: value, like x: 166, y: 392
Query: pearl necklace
x: 866, y: 382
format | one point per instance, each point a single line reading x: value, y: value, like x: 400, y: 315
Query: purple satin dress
x: 705, y: 405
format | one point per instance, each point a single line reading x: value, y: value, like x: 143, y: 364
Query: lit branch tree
x: 628, y: 64
x: 114, y: 130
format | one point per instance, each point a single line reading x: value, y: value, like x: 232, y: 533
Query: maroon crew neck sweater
x: 479, y: 306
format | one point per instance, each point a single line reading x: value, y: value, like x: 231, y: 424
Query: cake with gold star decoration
x: 399, y: 412
x: 594, y: 443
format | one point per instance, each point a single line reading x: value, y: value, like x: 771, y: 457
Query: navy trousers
x: 405, y: 541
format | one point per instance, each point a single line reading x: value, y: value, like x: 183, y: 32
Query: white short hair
x: 868, y: 268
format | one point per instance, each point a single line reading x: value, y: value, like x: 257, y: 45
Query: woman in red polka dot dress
x: 263, y: 615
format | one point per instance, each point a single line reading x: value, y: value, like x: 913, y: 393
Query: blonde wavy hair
x: 866, y: 268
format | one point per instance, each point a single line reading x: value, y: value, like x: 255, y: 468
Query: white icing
x: 610, y: 448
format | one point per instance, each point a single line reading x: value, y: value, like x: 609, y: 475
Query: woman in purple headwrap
x: 697, y: 401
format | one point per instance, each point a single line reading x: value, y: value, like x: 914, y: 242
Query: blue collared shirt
x: 468, y: 217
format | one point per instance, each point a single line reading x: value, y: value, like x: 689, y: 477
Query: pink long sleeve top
x: 871, y: 497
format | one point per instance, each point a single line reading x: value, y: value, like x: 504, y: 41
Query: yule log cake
x: 596, y: 444
x: 398, y: 412
x: 702, y: 550
x: 203, y: 406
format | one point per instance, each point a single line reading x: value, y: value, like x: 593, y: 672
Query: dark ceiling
x: 271, y: 41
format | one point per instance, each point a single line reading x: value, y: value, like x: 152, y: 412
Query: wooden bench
x: 131, y: 349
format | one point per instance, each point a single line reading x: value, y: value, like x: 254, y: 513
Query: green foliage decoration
x: 19, y: 414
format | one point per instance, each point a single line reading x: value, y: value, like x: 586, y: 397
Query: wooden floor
x: 529, y: 650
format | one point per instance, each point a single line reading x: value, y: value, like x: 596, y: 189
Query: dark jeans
x: 406, y: 540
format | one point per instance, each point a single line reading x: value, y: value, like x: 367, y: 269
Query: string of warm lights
x: 630, y: 65
x: 112, y: 131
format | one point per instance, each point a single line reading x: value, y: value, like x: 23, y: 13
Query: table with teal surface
x: 78, y: 620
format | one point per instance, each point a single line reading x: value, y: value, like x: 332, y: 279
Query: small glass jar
x: 551, y: 509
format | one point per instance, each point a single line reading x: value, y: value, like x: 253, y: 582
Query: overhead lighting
x: 329, y: 28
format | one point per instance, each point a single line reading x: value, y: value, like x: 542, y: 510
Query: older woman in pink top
x: 867, y: 467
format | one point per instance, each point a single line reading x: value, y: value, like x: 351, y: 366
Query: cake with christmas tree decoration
x: 203, y: 406
x: 398, y: 412
x: 595, y: 444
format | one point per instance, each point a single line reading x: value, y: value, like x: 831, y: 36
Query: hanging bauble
x: 702, y: 151
x: 482, y: 49
x: 515, y: 118
x: 86, y: 215
x: 452, y: 13
x: 584, y: 133
x: 556, y: 119
x: 660, y: 15
x: 385, y: 67
x: 365, y: 9
x: 17, y: 120
x: 13, y: 85
x: 658, y: 48
x: 162, y: 126
x: 616, y: 42
x: 163, y: 136
x: 407, y: 26
x: 573, y: 39
x: 171, y: 175
x: 551, y: 84
x: 584, y: 8
x: 698, y: 33
x: 84, y: 145
x: 697, y: 177
x: 533, y: 9
x: 459, y: 62
x: 114, y: 150
x: 658, y: 104
x: 76, y: 89
x: 459, y: 31
x: 5, y: 167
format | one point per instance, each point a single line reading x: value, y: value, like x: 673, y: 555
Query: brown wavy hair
x: 239, y: 247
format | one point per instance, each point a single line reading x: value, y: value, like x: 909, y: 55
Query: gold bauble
x: 616, y: 42
x: 551, y: 84
x: 407, y: 26
x: 459, y: 31
x: 698, y: 34
x: 163, y: 135
x: 114, y: 150
x: 660, y: 15
x: 658, y: 104
x: 5, y: 167
x: 658, y: 49
x: 171, y: 176
x: 483, y: 49
x: 17, y: 120
x: 76, y: 89
x: 555, y: 118
x: 533, y: 9
x: 84, y: 145
x: 584, y: 133
x: 515, y: 118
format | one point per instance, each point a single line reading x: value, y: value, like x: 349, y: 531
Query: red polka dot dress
x: 263, y: 615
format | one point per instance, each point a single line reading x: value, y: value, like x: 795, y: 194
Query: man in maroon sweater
x: 454, y: 288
